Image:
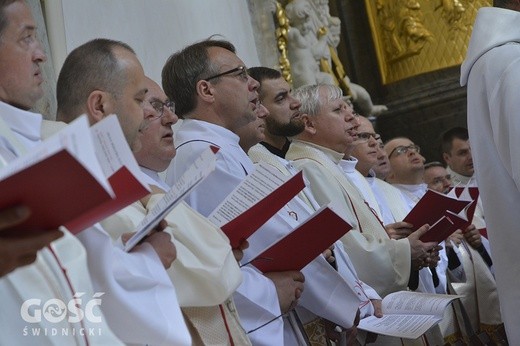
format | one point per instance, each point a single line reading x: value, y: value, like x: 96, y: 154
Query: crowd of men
x: 184, y: 284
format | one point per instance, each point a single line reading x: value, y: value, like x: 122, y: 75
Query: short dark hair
x: 91, y: 66
x: 3, y: 18
x: 185, y: 68
x: 261, y: 73
x: 433, y: 164
x: 448, y: 136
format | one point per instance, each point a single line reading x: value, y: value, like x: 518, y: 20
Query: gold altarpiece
x: 412, y: 37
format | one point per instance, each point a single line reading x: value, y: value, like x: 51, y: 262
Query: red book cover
x: 57, y: 190
x: 245, y: 224
x: 473, y: 191
x: 304, y: 244
x: 127, y: 189
x: 439, y: 231
x: 431, y: 207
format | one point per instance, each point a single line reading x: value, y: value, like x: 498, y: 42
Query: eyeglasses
x: 363, y: 137
x: 241, y: 69
x: 159, y: 106
x: 405, y: 149
x: 440, y: 180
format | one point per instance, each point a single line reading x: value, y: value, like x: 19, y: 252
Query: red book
x: 56, y: 190
x: 127, y: 189
x: 75, y: 178
x: 245, y: 224
x: 431, y: 207
x: 305, y: 243
x: 441, y: 230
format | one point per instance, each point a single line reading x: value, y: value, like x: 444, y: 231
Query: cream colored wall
x: 153, y: 28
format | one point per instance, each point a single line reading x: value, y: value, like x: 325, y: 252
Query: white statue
x: 305, y: 49
x: 313, y: 37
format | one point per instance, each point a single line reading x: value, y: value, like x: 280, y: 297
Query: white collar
x: 349, y: 165
x: 24, y: 123
x: 221, y: 132
x: 153, y: 178
x: 417, y: 190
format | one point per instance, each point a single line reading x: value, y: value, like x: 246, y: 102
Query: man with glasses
x: 205, y: 272
x: 407, y: 168
x: 330, y: 128
x: 157, y: 148
x: 437, y: 177
x: 216, y: 97
x: 389, y: 204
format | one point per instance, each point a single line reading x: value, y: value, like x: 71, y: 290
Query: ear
x: 310, y: 124
x: 99, y: 103
x: 446, y: 157
x: 206, y: 91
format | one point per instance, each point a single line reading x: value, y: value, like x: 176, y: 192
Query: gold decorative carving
x: 412, y: 37
x: 282, y: 28
x: 307, y: 37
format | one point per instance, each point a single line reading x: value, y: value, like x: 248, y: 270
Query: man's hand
x: 472, y: 236
x: 161, y: 243
x: 17, y: 251
x: 289, y: 288
x: 328, y: 254
x: 456, y: 237
x: 239, y: 251
x: 378, y: 307
x: 419, y: 250
x: 399, y: 230
x: 434, y: 257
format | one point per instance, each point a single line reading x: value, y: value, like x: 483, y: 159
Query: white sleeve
x: 139, y: 303
x: 257, y: 304
x: 505, y: 122
x: 328, y: 294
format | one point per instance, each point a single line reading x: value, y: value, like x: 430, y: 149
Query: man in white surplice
x: 284, y: 119
x: 407, y: 176
x: 149, y: 314
x: 330, y: 126
x: 479, y: 291
x: 18, y: 251
x: 213, y: 92
x: 491, y: 72
x: 60, y: 271
x: 205, y: 272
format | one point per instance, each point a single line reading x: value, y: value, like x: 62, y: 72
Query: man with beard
x: 284, y: 110
x: 327, y: 287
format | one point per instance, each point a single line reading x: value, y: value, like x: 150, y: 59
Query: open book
x: 254, y: 201
x: 431, y: 207
x: 193, y: 176
x: 303, y: 244
x: 303, y: 234
x: 75, y: 178
x: 408, y: 314
x: 444, y: 213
